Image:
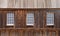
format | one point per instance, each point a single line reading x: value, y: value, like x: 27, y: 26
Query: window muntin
x: 10, y: 19
x: 50, y: 19
x: 30, y: 19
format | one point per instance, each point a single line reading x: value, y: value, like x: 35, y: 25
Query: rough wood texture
x: 21, y: 29
x: 28, y: 33
x: 20, y: 18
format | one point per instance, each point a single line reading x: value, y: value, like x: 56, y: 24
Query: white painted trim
x: 10, y: 24
x: 50, y: 24
x: 29, y: 24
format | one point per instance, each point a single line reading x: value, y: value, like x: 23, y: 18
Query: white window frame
x: 8, y: 24
x: 50, y: 18
x: 27, y: 18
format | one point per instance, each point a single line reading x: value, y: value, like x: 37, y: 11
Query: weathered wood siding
x: 29, y: 4
x: 28, y: 33
x: 20, y: 18
x: 21, y: 29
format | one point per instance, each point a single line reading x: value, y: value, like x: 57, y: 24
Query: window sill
x: 30, y: 24
x: 50, y: 25
x: 10, y: 24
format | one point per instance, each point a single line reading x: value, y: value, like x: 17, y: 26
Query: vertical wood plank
x: 25, y: 3
x: 4, y: 18
x: 17, y: 3
x: 22, y: 4
x: 3, y: 5
x: 50, y: 33
x: 11, y: 3
x: 16, y: 33
x: 57, y: 3
x: 53, y: 33
x: 0, y: 32
x: 44, y: 19
x: 53, y: 3
x: 21, y: 33
x: 48, y: 3
x: 35, y: 3
x: 1, y: 20
x: 12, y: 33
x: 14, y: 18
x: 41, y: 34
x: 30, y: 4
x: 7, y: 33
x: 44, y: 33
x: 40, y: 3
x: 56, y: 33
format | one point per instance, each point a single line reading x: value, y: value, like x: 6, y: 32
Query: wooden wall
x: 28, y: 33
x: 29, y: 4
x: 21, y: 29
x: 20, y: 18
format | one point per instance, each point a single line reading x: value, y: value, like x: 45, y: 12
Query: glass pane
x: 10, y: 18
x: 30, y: 18
x: 50, y: 18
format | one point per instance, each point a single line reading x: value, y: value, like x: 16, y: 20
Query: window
x: 30, y: 19
x: 50, y: 19
x: 10, y: 19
